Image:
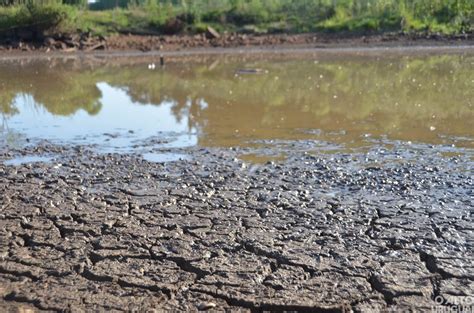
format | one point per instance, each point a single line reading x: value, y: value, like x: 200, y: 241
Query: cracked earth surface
x: 335, y: 233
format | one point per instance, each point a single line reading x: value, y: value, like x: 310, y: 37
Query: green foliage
x: 38, y: 18
x: 79, y: 3
x: 446, y: 16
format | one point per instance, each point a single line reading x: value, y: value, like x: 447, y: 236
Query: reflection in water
x: 164, y: 157
x: 28, y: 159
x: 351, y: 100
x: 259, y: 158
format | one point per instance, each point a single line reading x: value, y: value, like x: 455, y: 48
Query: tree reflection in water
x: 418, y: 97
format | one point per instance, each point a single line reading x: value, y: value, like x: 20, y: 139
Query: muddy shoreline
x: 381, y: 228
x: 378, y: 231
x: 77, y: 43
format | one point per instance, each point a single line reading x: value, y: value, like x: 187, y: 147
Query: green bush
x: 37, y: 18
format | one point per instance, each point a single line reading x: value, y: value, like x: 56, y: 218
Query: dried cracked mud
x: 383, y: 231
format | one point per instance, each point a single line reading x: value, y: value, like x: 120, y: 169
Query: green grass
x: 294, y: 16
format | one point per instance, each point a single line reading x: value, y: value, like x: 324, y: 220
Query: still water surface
x: 347, y: 100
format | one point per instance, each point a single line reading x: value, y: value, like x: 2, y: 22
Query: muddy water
x: 347, y: 101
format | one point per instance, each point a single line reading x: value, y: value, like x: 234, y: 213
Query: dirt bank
x: 128, y: 42
x: 387, y: 230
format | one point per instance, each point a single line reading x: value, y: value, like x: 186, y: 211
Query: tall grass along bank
x: 36, y: 18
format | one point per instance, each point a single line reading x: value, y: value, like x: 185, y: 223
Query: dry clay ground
x: 387, y: 231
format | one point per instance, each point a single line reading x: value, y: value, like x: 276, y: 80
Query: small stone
x: 109, y: 224
x: 49, y: 41
x: 211, y: 33
x: 203, y: 306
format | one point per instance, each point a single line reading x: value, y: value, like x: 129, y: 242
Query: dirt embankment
x: 143, y: 42
x: 93, y: 232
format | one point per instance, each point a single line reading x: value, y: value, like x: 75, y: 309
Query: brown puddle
x: 348, y: 100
